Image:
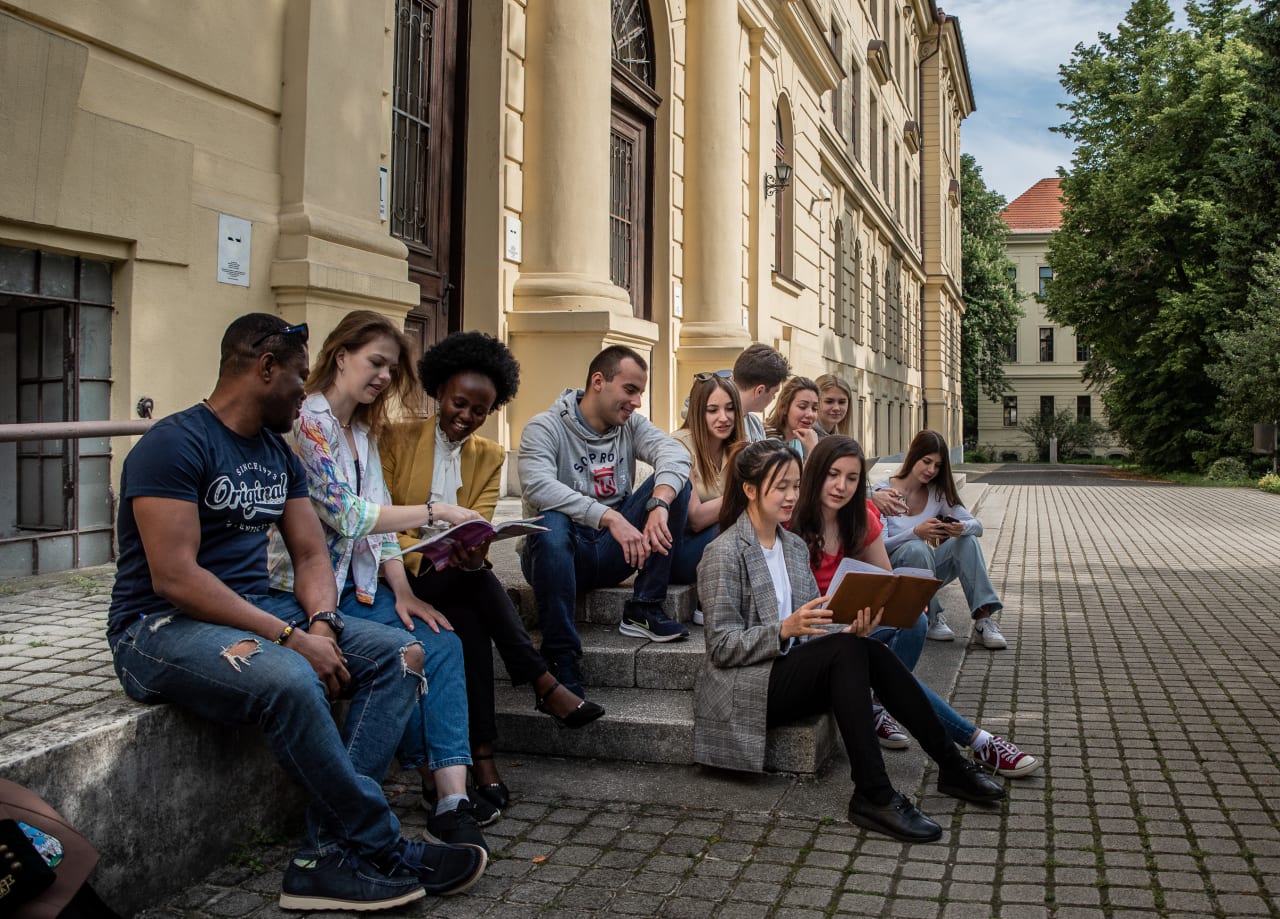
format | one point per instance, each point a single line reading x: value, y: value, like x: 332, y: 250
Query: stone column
x: 712, y: 335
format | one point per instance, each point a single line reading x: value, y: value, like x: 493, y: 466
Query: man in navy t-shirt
x: 191, y: 622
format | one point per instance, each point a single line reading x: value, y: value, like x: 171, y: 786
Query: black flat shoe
x: 899, y: 819
x: 584, y: 714
x: 968, y: 782
x: 497, y: 793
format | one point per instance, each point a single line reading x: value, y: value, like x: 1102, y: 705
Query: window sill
x: 790, y: 285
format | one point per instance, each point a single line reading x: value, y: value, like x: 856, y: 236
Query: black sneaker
x: 457, y: 827
x: 647, y: 620
x: 483, y: 810
x: 440, y: 870
x: 966, y: 780
x: 899, y: 819
x: 341, y: 881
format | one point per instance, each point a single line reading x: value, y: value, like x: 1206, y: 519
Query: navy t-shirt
x: 240, y: 485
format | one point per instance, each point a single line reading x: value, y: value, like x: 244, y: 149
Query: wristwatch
x: 330, y: 616
x: 654, y: 503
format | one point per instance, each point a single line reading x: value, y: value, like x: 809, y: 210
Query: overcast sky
x: 1014, y: 49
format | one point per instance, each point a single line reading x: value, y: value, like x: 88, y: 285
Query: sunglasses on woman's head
x: 711, y: 375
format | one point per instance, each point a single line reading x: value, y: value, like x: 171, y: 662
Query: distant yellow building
x: 1044, y: 367
x: 561, y: 174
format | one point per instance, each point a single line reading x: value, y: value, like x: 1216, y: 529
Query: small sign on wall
x: 677, y: 302
x: 234, y: 246
x: 513, y: 238
x: 382, y: 193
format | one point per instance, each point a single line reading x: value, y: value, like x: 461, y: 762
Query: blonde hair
x: 776, y: 422
x: 356, y: 330
x: 831, y: 381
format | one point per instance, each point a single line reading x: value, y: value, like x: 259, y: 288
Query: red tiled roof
x: 1036, y: 210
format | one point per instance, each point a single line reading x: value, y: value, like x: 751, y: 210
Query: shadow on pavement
x: 1061, y: 474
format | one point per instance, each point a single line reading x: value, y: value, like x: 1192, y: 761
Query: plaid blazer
x: 743, y: 637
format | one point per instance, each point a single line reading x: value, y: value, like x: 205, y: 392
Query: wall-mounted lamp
x: 780, y: 179
x: 823, y: 195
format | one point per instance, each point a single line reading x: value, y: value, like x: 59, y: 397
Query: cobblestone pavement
x: 1141, y: 663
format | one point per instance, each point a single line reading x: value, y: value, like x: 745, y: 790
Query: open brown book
x: 904, y: 593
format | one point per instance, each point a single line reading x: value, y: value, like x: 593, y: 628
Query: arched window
x: 784, y: 198
x: 635, y: 105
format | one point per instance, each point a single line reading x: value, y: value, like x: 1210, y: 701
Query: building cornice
x: 801, y: 24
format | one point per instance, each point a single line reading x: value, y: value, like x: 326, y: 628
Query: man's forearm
x: 203, y: 596
x: 314, y: 586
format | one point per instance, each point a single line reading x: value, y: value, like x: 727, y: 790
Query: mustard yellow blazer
x: 408, y: 461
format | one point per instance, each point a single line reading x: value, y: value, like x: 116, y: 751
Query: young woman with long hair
x: 441, y: 461
x: 836, y: 397
x: 836, y: 521
x: 713, y: 424
x: 363, y: 372
x: 793, y: 415
x: 927, y: 526
x: 770, y: 659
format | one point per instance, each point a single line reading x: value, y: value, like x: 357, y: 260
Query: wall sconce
x: 823, y: 196
x: 782, y: 172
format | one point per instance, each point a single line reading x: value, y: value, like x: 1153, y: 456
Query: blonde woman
x: 794, y: 414
x: 836, y: 398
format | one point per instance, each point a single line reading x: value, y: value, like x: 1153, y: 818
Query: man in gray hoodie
x: 577, y: 469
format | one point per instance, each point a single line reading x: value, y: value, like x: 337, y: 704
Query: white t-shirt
x: 781, y: 582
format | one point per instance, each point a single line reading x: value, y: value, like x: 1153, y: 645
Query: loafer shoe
x: 460, y: 826
x: 899, y: 819
x: 440, y: 870
x: 968, y: 782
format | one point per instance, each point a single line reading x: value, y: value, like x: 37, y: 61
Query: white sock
x: 981, y: 740
x: 449, y: 803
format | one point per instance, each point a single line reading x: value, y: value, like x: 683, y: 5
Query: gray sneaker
x: 938, y: 628
x: 986, y: 631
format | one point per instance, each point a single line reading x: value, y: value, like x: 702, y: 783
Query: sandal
x: 496, y: 793
x: 584, y: 714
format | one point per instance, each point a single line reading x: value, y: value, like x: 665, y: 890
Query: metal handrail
x: 72, y: 430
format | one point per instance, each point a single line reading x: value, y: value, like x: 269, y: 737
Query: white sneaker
x: 698, y: 617
x: 938, y: 628
x: 987, y: 632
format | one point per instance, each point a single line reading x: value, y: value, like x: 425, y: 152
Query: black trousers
x: 838, y: 672
x: 478, y: 608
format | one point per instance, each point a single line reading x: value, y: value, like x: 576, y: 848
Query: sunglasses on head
x: 300, y: 330
x: 711, y: 375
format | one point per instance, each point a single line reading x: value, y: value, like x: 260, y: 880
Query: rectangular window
x: 1010, y: 411
x: 1084, y: 408
x: 884, y: 156
x: 1011, y: 352
x: 874, y: 160
x: 1011, y: 273
x: 1046, y: 275
x: 897, y: 181
x: 1082, y: 351
x: 1046, y: 407
x: 855, y: 95
x: 1046, y: 345
x: 836, y: 102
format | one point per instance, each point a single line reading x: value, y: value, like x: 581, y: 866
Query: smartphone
x: 946, y: 519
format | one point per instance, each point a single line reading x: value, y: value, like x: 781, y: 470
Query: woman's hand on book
x: 864, y: 623
x: 807, y: 620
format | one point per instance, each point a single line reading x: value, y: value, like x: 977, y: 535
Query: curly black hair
x: 470, y: 351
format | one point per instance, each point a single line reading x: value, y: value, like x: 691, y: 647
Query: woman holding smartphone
x: 771, y: 658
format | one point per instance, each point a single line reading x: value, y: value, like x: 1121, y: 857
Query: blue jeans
x: 570, y: 559
x: 959, y: 557
x: 170, y: 657
x: 684, y: 567
x: 436, y: 733
x: 907, y: 645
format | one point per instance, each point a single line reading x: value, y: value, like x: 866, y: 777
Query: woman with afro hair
x: 440, y: 459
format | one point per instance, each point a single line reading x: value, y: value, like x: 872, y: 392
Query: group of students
x: 260, y: 579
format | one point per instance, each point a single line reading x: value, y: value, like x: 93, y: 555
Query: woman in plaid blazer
x: 771, y: 658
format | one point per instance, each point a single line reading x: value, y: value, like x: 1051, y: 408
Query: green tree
x: 1249, y: 372
x: 1154, y: 111
x: 1075, y: 435
x: 991, y: 309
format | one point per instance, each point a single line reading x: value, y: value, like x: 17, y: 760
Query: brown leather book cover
x: 903, y: 596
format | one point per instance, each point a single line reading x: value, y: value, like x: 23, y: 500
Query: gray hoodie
x: 565, y: 466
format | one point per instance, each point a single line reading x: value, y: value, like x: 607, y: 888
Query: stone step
x: 619, y: 661
x: 648, y: 725
x: 605, y: 605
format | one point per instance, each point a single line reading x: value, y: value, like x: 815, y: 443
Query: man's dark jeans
x: 570, y: 559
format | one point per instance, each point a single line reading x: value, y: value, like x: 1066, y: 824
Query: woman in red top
x: 833, y: 514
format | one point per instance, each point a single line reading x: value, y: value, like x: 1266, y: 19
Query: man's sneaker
x: 698, y: 618
x: 938, y: 628
x: 457, y: 827
x: 647, y: 620
x: 1003, y: 758
x: 440, y: 870
x: 342, y: 881
x: 891, y: 734
x: 483, y: 810
x: 986, y: 631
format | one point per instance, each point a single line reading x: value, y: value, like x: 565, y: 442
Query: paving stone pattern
x: 1142, y: 664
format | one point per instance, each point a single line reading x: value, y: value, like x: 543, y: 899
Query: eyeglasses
x: 711, y: 375
x: 300, y: 330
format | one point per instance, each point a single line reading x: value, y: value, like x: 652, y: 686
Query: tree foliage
x: 1075, y: 435
x: 991, y: 314
x: 1155, y: 112
x: 1249, y: 371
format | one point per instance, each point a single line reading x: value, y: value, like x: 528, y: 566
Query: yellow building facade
x: 563, y: 175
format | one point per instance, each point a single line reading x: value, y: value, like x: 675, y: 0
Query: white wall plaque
x: 234, y: 245
x: 677, y: 302
x: 513, y: 238
x: 382, y: 192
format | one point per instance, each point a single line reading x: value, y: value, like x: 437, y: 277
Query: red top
x: 827, y: 570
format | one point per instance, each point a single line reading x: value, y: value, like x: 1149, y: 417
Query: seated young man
x: 577, y: 469
x: 191, y: 623
x: 758, y: 372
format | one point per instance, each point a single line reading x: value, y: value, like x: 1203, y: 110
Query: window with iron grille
x: 412, y: 180
x: 1010, y: 411
x: 630, y: 151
